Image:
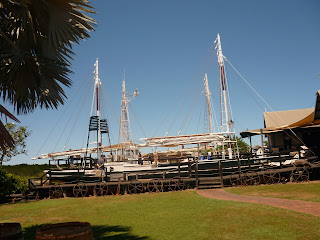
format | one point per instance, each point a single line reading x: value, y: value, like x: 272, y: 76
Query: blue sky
x: 161, y: 44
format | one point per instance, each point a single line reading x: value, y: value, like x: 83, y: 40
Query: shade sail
x: 280, y: 120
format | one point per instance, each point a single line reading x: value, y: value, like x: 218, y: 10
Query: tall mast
x: 208, y: 93
x: 125, y: 130
x: 97, y: 84
x: 224, y: 101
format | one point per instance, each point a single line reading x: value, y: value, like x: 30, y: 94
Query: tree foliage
x: 36, y: 38
x: 19, y: 135
x: 10, y: 184
x: 242, y: 145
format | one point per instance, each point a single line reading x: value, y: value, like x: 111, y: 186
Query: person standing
x: 110, y: 156
x: 100, y: 165
x: 140, y: 162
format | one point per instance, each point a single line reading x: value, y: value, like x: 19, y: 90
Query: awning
x: 250, y: 133
x: 280, y: 120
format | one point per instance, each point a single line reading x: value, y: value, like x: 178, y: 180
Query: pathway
x: 295, y: 205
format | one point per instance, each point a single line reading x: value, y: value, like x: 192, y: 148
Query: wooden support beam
x: 221, y: 174
x: 197, y: 161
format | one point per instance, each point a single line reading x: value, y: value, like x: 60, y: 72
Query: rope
x: 200, y: 74
x: 77, y: 117
x: 56, y: 124
x: 104, y: 113
x: 202, y: 106
x: 135, y: 116
x: 87, y: 123
x: 192, y: 109
x: 107, y: 98
x: 265, y: 103
x: 183, y: 90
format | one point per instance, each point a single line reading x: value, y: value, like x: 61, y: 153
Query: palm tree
x: 36, y: 38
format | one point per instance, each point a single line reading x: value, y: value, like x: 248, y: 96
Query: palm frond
x: 36, y: 40
x: 5, y: 112
x: 5, y: 138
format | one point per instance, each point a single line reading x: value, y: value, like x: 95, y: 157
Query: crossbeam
x: 184, y: 140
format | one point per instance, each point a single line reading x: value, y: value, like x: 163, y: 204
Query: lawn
x: 172, y: 215
x: 309, y: 191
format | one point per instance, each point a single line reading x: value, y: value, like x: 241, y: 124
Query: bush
x: 26, y: 170
x: 10, y: 184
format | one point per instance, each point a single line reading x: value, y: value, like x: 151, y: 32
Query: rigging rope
x: 85, y: 133
x: 202, y: 106
x: 183, y: 90
x: 110, y: 105
x: 56, y: 124
x: 105, y: 113
x: 72, y: 114
x: 77, y: 116
x: 192, y: 109
x: 135, y: 116
x: 265, y: 102
x: 200, y: 75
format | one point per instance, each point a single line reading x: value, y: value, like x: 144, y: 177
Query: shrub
x: 10, y: 184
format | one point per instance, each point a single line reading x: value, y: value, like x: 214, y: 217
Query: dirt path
x: 295, y: 205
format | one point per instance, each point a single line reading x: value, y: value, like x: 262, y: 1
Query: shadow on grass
x: 100, y: 232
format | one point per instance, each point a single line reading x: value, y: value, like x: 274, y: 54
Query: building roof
x: 280, y: 120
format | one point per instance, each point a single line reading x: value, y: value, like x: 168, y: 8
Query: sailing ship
x: 124, y: 156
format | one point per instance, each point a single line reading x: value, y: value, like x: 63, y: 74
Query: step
x: 209, y: 182
x: 209, y: 186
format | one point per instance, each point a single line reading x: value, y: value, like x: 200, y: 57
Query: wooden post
x: 220, y: 174
x: 156, y: 157
x: 239, y: 165
x: 197, y: 160
x: 262, y: 148
x: 179, y: 174
x: 250, y: 145
x: 239, y: 168
x: 249, y: 163
x: 189, y: 168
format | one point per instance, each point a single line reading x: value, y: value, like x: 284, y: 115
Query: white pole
x: 97, y: 92
x: 208, y: 93
x: 224, y: 92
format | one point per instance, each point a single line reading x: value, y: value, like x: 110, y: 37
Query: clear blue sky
x: 274, y: 45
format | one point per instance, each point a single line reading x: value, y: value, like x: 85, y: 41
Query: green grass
x: 26, y: 170
x: 309, y: 191
x: 172, y: 215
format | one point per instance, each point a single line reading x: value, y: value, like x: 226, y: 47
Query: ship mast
x: 224, y: 102
x: 97, y: 84
x: 125, y: 130
x: 208, y: 93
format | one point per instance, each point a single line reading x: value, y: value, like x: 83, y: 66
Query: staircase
x: 209, y: 183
